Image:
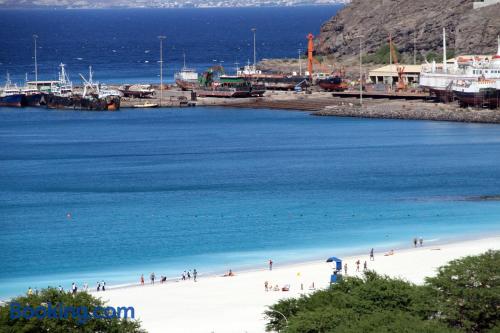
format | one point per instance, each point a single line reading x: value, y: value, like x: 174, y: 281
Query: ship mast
x: 35, y: 37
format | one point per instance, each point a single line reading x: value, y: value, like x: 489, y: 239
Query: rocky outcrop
x: 469, y: 31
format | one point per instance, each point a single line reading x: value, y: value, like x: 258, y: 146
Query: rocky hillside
x: 469, y: 31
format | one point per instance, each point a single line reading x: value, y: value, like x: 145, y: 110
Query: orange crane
x: 401, y: 85
x: 310, y: 57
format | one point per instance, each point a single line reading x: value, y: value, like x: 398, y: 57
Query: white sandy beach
x: 236, y: 304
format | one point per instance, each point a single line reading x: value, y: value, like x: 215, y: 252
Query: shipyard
x: 470, y: 82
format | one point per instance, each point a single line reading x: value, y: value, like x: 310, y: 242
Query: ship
x: 11, y: 95
x: 483, y: 89
x: 187, y: 78
x: 438, y: 79
x: 95, y: 96
x: 272, y: 81
x: 137, y: 90
x: 477, y: 93
x: 333, y: 83
x: 215, y: 83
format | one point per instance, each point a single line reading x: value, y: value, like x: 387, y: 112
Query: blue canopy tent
x: 337, y: 261
x: 337, y: 275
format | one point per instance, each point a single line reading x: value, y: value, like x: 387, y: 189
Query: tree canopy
x: 69, y: 325
x: 463, y: 297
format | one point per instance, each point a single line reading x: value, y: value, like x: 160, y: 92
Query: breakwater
x: 412, y: 111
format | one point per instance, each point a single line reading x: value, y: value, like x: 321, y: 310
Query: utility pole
x: 161, y: 38
x: 254, y: 30
x: 36, y: 63
x: 300, y: 62
x: 415, y: 47
x: 390, y: 47
x: 360, y: 69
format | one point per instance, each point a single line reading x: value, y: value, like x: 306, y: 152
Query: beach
x: 236, y: 304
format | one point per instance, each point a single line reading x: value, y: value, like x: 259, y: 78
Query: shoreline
x: 255, y: 268
x: 236, y: 304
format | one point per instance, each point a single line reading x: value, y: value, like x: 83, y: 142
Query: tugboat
x: 11, y: 95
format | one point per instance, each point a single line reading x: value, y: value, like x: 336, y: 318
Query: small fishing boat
x: 146, y: 105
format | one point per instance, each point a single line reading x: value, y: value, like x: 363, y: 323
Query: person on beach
x: 421, y: 241
x: 183, y: 276
x: 195, y: 274
x: 142, y: 279
x: 60, y: 289
x: 30, y: 291
x: 345, y: 268
x: 266, y: 285
x: 103, y: 285
x: 36, y: 291
x: 189, y: 275
x: 73, y: 288
x: 152, y: 278
x: 357, y: 265
x: 415, y: 242
x: 270, y: 265
x: 85, y: 287
x: 372, y: 258
x: 98, y: 286
x: 365, y: 266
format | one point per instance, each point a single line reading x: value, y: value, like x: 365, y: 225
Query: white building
x: 483, y: 3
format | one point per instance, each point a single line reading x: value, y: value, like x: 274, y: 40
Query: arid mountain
x: 469, y: 31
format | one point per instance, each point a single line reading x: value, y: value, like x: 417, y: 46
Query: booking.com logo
x: 81, y: 314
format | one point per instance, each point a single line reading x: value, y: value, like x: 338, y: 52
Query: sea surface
x: 86, y: 196
x: 122, y: 45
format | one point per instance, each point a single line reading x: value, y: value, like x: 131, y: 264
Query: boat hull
x: 333, y: 84
x: 230, y: 93
x: 186, y: 85
x: 35, y: 100
x: 489, y: 98
x: 16, y: 100
x: 442, y: 95
x: 111, y: 103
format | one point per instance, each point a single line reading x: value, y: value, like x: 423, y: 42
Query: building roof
x: 391, y: 70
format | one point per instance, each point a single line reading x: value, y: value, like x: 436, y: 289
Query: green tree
x: 70, y: 325
x: 467, y: 292
x: 463, y: 297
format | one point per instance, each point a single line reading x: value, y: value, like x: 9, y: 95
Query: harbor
x: 464, y: 82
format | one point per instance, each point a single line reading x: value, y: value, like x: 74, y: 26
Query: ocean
x: 86, y: 196
x: 122, y: 46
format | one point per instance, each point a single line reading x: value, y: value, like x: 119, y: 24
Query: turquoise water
x: 212, y: 189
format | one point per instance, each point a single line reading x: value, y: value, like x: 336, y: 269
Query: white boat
x: 438, y: 79
x: 187, y: 78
